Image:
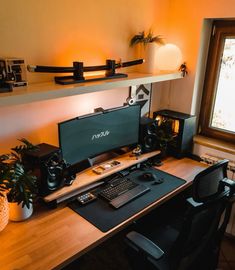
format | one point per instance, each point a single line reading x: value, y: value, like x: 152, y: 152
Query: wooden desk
x: 52, y: 239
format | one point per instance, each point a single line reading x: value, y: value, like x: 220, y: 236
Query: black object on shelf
x: 78, y: 71
x: 5, y: 87
x: 12, y: 74
x: 183, y: 129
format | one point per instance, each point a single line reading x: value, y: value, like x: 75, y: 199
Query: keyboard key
x: 117, y: 187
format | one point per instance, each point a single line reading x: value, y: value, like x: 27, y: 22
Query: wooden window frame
x: 220, y: 30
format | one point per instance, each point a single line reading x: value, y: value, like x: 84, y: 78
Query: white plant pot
x: 4, y: 212
x: 148, y: 52
x: 19, y: 213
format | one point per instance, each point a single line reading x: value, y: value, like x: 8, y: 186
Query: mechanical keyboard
x: 120, y: 191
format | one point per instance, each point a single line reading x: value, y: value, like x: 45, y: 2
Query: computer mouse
x: 148, y: 176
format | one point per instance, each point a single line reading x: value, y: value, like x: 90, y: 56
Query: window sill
x: 215, y: 144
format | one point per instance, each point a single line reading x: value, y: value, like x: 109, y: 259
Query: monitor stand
x: 85, y: 164
x: 122, y: 150
x: 87, y: 177
x: 108, y: 156
x: 80, y: 166
x: 103, y: 158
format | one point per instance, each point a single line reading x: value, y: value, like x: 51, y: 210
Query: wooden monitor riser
x: 87, y: 178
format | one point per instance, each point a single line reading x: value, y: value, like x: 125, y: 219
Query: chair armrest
x: 145, y: 245
x: 230, y: 184
x: 193, y: 203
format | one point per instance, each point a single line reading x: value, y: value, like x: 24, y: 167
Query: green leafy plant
x: 144, y: 38
x: 15, y: 179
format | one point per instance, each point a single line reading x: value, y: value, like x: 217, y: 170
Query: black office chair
x: 194, y: 242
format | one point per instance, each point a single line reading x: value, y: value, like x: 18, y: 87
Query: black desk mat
x: 104, y: 217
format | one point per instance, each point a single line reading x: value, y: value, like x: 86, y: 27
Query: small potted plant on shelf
x: 18, y: 182
x: 143, y: 38
x: 150, y: 44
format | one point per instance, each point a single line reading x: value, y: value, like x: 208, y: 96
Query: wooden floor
x: 227, y: 254
x: 110, y: 255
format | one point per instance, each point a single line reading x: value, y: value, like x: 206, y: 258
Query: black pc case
x: 184, y: 128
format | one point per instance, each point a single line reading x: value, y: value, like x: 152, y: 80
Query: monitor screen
x: 88, y: 136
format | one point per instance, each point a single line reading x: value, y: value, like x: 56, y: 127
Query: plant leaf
x: 146, y: 38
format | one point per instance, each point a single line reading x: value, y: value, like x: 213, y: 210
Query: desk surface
x: 51, y: 239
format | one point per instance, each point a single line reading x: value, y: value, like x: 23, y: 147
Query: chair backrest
x: 204, y: 222
x: 207, y: 184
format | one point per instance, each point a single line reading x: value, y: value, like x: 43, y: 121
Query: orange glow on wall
x: 38, y: 121
x: 45, y: 33
x: 89, y: 31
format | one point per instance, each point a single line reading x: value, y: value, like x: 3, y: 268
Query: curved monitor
x: 90, y: 135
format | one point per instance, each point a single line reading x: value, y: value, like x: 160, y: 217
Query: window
x: 217, y: 115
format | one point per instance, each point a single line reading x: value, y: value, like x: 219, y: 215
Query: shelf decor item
x: 12, y: 74
x: 18, y: 182
x: 183, y: 69
x: 169, y: 57
x: 143, y: 38
x: 78, y: 71
x: 148, y: 45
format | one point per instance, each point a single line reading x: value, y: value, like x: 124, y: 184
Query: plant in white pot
x: 18, y: 182
x: 147, y: 44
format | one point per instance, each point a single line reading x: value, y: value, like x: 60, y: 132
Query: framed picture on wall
x: 141, y: 94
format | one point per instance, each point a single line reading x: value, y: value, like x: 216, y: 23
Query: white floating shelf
x: 51, y: 90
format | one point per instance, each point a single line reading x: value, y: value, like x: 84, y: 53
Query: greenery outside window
x: 217, y: 115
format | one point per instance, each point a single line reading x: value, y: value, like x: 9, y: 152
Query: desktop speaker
x: 147, y: 135
x: 48, y: 166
